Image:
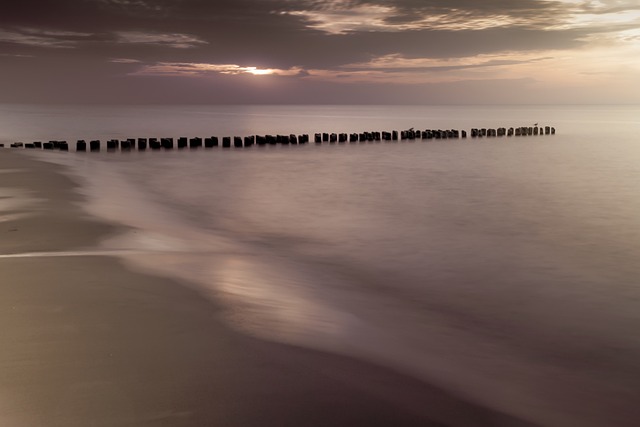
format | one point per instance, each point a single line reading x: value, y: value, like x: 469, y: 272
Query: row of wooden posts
x: 319, y: 138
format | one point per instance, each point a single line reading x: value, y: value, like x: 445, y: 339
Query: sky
x: 320, y: 51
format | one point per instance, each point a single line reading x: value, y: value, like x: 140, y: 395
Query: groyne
x: 227, y: 142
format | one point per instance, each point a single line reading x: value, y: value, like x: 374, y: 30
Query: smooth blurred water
x: 504, y: 269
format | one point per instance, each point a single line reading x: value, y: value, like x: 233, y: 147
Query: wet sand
x: 87, y: 342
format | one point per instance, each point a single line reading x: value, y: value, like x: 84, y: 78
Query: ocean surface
x: 506, y: 270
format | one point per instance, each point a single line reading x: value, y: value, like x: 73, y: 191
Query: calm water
x: 506, y: 270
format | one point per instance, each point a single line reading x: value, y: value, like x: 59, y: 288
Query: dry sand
x: 85, y: 342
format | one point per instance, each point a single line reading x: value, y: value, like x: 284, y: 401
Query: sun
x: 259, y: 71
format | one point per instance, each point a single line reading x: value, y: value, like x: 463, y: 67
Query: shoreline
x: 87, y: 341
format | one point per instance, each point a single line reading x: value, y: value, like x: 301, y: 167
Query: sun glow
x: 259, y: 72
x: 200, y: 69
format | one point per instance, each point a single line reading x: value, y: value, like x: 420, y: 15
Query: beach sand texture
x: 85, y: 342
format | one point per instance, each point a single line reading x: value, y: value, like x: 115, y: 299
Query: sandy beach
x: 85, y: 342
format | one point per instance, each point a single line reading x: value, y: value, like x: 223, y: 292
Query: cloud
x: 199, y: 69
x: 397, y: 62
x: 124, y: 61
x: 16, y: 55
x: 43, y: 37
x: 174, y: 40
x: 346, y: 16
x: 332, y: 44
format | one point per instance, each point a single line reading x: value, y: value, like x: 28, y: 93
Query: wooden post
x: 167, y: 143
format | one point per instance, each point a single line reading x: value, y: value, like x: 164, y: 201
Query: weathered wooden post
x: 167, y: 143
x: 142, y: 144
x: 226, y: 142
x: 94, y: 145
x: 63, y: 146
x: 394, y: 135
x: 261, y: 140
x: 304, y: 138
x: 248, y: 141
x: 81, y: 145
x: 112, y: 145
x: 38, y: 144
x: 182, y: 142
x: 125, y: 145
x: 293, y: 139
x: 318, y: 138
x: 48, y: 145
x: 195, y: 142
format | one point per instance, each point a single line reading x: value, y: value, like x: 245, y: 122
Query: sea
x: 505, y: 270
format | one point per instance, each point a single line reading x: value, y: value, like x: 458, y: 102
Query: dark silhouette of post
x: 167, y: 143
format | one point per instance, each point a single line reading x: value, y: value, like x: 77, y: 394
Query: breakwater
x: 290, y: 139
